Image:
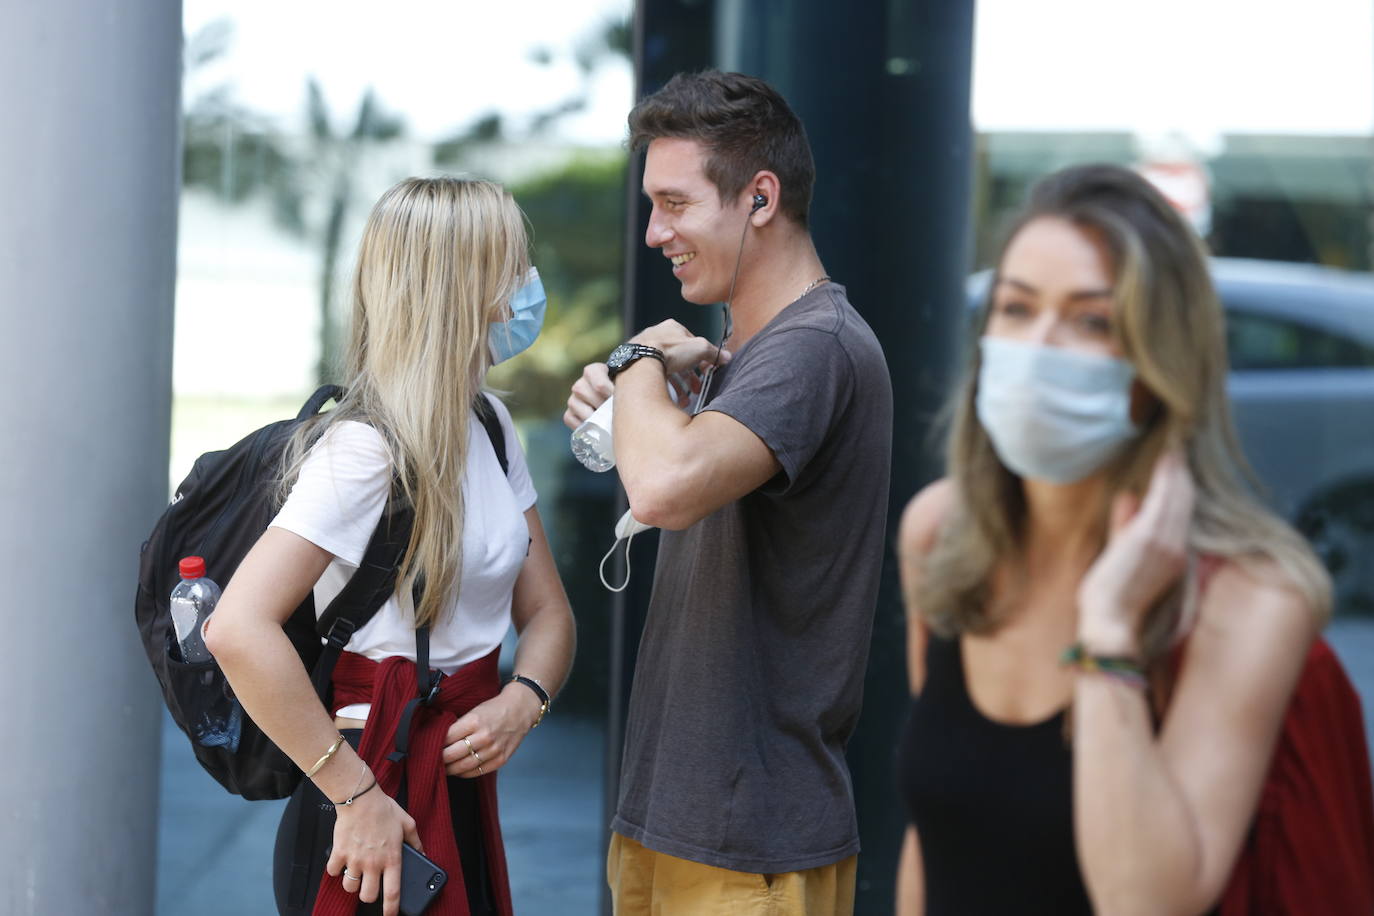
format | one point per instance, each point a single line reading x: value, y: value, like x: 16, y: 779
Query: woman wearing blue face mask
x: 443, y: 289
x: 1120, y: 700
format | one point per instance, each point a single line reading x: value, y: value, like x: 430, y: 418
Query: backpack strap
x: 427, y: 682
x: 495, y: 432
x: 317, y: 400
x: 363, y: 595
x: 375, y: 579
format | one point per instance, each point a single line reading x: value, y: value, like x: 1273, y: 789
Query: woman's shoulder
x: 1253, y: 631
x: 352, y: 434
x: 349, y: 448
x: 1256, y: 595
x: 502, y: 412
x: 923, y: 516
x: 921, y: 521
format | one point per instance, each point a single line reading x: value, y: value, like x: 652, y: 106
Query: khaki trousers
x: 648, y: 883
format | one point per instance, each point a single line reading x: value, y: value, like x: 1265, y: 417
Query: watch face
x: 619, y: 357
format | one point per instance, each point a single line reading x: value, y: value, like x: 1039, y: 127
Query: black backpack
x: 219, y: 512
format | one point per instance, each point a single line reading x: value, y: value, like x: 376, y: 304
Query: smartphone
x: 421, y: 881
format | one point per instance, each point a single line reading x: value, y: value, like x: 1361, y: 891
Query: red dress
x: 1310, y: 849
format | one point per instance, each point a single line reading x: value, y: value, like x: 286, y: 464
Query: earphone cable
x: 727, y: 320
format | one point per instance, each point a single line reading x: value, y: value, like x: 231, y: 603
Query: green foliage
x: 231, y: 150
x: 576, y: 212
x: 450, y: 152
x: 577, y: 219
x: 227, y: 151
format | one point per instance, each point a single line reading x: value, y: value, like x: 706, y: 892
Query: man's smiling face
x: 688, y: 222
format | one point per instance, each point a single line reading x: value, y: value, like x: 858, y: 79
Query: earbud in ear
x: 759, y: 201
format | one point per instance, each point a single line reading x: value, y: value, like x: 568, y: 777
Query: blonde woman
x: 441, y: 268
x: 1107, y: 630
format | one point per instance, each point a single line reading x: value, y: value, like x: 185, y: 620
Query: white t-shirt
x: 338, y: 499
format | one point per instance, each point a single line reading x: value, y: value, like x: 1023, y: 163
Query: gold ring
x: 480, y: 771
x: 473, y: 751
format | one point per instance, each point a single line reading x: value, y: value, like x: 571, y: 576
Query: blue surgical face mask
x: 1051, y: 413
x: 514, y: 335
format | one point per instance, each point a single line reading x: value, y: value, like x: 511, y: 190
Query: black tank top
x: 992, y: 803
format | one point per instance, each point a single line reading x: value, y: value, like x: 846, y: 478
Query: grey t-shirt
x: 750, y: 670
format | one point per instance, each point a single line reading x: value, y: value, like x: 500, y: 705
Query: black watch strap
x: 625, y: 355
x: 539, y: 691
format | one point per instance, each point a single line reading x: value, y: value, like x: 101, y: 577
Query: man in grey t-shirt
x: 735, y: 796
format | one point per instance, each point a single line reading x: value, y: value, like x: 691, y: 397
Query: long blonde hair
x: 438, y: 262
x: 1171, y: 328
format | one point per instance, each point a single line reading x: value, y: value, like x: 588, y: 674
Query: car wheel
x: 1340, y: 527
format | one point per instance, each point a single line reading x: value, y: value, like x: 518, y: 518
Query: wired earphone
x: 760, y: 201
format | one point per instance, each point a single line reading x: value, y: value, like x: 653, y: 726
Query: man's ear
x: 764, y: 197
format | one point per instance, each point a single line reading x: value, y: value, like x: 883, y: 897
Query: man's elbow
x: 662, y: 506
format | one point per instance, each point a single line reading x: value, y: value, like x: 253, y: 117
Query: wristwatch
x: 624, y: 355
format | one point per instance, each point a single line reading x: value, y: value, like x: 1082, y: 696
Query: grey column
x: 89, y: 176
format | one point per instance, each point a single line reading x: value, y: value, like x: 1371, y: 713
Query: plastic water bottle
x: 193, y: 600
x: 591, y: 442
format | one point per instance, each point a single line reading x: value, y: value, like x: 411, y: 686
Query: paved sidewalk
x: 215, y: 850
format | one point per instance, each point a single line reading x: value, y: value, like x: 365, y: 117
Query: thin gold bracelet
x: 333, y: 749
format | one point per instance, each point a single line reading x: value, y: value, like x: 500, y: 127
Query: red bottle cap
x: 192, y: 567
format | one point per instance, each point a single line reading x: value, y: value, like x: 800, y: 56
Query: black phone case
x: 421, y: 881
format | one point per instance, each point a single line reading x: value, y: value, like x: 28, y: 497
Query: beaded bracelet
x: 1121, y: 667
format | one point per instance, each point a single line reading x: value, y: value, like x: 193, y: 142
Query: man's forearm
x: 649, y: 432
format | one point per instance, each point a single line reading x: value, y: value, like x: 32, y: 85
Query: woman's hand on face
x: 483, y: 740
x: 367, y: 848
x: 1146, y: 552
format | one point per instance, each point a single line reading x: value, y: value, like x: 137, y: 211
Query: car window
x: 1266, y: 342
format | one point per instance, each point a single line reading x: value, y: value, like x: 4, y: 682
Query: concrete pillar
x: 89, y: 177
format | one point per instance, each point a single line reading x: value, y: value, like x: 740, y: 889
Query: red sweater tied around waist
x: 389, y: 685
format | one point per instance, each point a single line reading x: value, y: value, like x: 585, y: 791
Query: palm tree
x: 335, y: 159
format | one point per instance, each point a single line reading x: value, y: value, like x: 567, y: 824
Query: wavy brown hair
x: 1171, y: 328
x: 438, y: 262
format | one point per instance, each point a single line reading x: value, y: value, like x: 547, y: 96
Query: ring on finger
x: 480, y: 771
x: 349, y: 874
x: 473, y: 751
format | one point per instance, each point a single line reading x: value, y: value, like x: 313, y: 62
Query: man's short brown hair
x: 745, y: 126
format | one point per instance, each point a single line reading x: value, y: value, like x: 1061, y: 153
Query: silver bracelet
x: 356, y: 794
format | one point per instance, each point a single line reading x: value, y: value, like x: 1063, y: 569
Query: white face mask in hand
x: 1053, y: 414
x: 625, y: 530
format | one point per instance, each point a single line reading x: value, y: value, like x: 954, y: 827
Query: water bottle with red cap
x: 193, y: 600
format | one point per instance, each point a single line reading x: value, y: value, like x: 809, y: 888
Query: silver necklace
x: 711, y: 371
x: 810, y: 286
